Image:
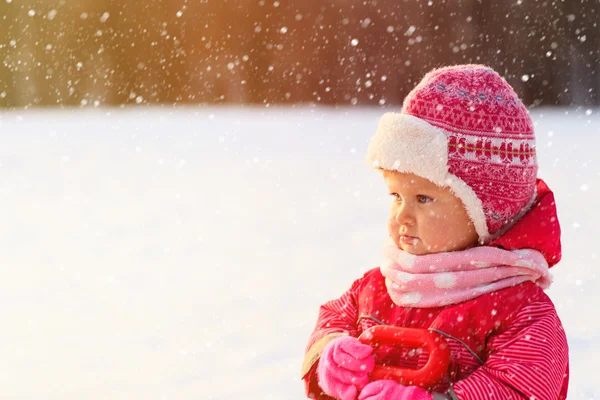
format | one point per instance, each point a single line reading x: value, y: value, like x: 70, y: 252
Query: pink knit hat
x: 465, y: 128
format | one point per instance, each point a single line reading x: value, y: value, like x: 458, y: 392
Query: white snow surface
x: 182, y: 253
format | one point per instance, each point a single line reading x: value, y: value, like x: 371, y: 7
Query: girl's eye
x: 424, y: 199
x: 396, y: 197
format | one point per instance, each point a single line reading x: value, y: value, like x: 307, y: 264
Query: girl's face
x: 425, y: 218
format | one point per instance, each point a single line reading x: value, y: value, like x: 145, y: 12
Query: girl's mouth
x: 405, y: 239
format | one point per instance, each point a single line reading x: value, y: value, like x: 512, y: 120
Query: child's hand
x: 392, y: 390
x: 344, y: 367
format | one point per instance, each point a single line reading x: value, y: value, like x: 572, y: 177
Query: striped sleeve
x: 528, y: 361
x: 336, y: 318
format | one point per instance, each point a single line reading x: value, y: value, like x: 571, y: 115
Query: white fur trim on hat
x: 405, y: 143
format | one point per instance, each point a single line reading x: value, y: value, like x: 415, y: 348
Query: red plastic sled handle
x: 431, y: 373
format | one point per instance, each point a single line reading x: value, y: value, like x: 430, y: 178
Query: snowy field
x: 157, y: 253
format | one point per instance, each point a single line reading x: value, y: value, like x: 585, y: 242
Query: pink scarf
x: 435, y: 280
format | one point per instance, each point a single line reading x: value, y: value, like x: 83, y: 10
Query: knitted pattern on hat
x: 464, y: 127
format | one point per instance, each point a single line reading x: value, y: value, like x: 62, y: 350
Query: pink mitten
x: 344, y: 367
x: 392, y: 390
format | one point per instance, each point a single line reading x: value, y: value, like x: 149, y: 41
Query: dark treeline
x: 280, y: 52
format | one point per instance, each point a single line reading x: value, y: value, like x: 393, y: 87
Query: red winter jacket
x: 506, y: 345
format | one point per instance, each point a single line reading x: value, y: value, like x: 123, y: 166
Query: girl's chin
x: 417, y: 249
x: 411, y: 249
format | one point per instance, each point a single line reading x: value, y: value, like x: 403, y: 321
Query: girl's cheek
x: 392, y: 224
x: 433, y: 214
x: 437, y: 213
x: 393, y: 229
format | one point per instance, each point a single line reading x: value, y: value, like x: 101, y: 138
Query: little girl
x: 473, y: 233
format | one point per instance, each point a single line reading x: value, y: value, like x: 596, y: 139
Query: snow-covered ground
x: 183, y: 253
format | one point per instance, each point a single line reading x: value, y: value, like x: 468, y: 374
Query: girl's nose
x: 404, y: 216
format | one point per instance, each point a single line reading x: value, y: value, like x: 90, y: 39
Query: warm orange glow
x: 286, y: 51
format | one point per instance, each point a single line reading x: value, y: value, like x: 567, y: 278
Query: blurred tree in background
x: 369, y: 52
